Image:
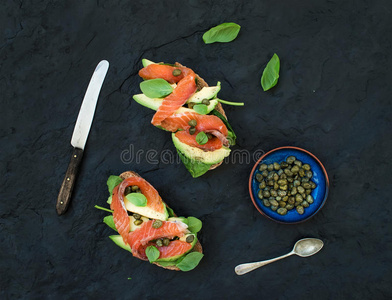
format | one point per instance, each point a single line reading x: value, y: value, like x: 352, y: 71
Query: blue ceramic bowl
x: 320, y: 178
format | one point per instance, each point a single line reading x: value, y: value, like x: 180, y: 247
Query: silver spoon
x: 304, y: 248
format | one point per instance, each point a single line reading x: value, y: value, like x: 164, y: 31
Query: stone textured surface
x: 333, y: 99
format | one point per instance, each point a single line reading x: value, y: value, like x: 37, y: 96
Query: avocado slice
x: 178, y: 219
x: 154, y: 103
x: 174, y: 258
x: 118, y: 240
x: 196, y: 154
x: 146, y: 211
x: 207, y: 92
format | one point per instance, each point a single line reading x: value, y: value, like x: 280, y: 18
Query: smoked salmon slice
x: 212, y: 144
x: 146, y: 233
x: 154, y: 71
x: 120, y: 215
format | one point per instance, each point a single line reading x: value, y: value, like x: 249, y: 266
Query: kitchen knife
x: 80, y: 135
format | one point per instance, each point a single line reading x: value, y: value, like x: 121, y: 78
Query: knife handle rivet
x: 68, y: 179
x: 61, y: 202
x: 75, y: 155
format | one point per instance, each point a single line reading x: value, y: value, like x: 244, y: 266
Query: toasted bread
x: 200, y: 84
x: 196, y: 248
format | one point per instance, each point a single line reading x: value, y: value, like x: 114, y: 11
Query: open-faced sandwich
x: 148, y: 228
x: 186, y: 106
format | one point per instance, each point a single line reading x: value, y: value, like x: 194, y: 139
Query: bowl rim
x: 299, y: 149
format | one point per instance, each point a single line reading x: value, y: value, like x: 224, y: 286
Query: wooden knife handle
x: 64, y: 197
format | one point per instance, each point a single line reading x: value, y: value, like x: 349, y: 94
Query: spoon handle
x: 245, y: 268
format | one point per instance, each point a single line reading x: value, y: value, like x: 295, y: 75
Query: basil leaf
x: 201, y: 109
x: 231, y: 137
x: 195, y: 167
x: 271, y: 73
x: 223, y: 33
x: 201, y: 138
x: 194, y: 224
x: 156, y: 88
x: 170, y: 211
x: 109, y: 200
x: 190, y: 261
x: 112, y: 182
x: 152, y: 253
x: 108, y: 220
x: 137, y: 199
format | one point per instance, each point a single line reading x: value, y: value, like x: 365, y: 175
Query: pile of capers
x: 286, y: 185
x: 193, y: 124
x: 162, y: 242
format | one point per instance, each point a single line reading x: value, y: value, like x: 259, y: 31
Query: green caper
x: 291, y: 200
x: 285, y: 198
x: 138, y: 222
x: 290, y: 179
x: 273, y: 193
x: 282, y: 181
x: 312, y: 185
x: 283, y: 187
x: 276, y: 177
x: 282, y: 193
x: 266, y: 203
x: 274, y: 202
x: 270, y: 183
x: 291, y: 159
x: 306, y: 167
x: 282, y: 211
x: 309, y: 174
x: 266, y: 194
x: 298, y: 163
x: 276, y: 166
x: 274, y: 208
x: 260, y: 194
x: 305, y: 179
x: 209, y: 135
x: 159, y: 242
x: 298, y: 198
x: 300, y: 189
x: 309, y: 199
x: 176, y: 72
x: 288, y: 172
x: 166, y: 242
x: 306, y: 185
x: 139, y: 192
x: 305, y: 204
x: 262, y: 184
x: 192, y: 123
x: 192, y: 130
x: 270, y: 167
x: 259, y: 177
x: 191, y: 104
x: 283, y: 176
x: 289, y: 206
x: 263, y: 167
x: 136, y: 216
x: 295, y: 169
x: 205, y: 102
x: 190, y: 238
x: 157, y: 224
x: 303, y: 195
x: 270, y: 176
x: 301, y: 173
x: 276, y: 186
x: 267, y: 188
x: 127, y: 190
x: 297, y: 182
x: 307, y: 192
x: 291, y: 185
x: 135, y: 188
x: 293, y: 191
x: 284, y: 164
x: 283, y: 204
x: 264, y: 173
x: 280, y: 172
x: 300, y: 209
x: 278, y: 198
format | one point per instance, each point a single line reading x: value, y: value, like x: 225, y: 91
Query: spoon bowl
x: 307, y: 247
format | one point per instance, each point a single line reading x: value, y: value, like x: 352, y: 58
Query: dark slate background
x: 333, y: 99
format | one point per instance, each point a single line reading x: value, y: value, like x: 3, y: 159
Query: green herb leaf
x: 190, y: 261
x: 170, y: 211
x: 195, y: 167
x: 271, y: 73
x: 201, y: 109
x: 129, y: 278
x: 137, y: 199
x: 108, y: 220
x: 201, y: 138
x: 109, y: 200
x: 156, y: 88
x: 103, y: 208
x: 152, y: 253
x: 112, y: 182
x: 223, y: 33
x: 194, y: 224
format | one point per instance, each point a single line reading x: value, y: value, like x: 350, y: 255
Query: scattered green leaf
x: 109, y: 200
x: 271, y: 73
x: 170, y: 211
x: 201, y: 138
x: 112, y: 182
x: 190, y: 261
x: 137, y: 199
x: 201, y: 109
x: 152, y: 253
x: 129, y: 278
x: 103, y: 208
x: 194, y: 224
x: 108, y: 220
x: 223, y: 33
x: 156, y: 88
